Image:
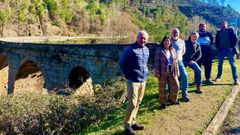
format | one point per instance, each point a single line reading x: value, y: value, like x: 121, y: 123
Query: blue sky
x: 235, y: 4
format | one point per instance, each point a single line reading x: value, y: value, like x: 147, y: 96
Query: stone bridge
x: 57, y: 66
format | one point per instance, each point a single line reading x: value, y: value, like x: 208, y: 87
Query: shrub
x: 53, y: 114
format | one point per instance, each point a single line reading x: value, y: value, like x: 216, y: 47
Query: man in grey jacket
x: 192, y: 55
x: 133, y: 64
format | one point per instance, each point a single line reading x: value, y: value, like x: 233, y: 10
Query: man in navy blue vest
x: 133, y: 64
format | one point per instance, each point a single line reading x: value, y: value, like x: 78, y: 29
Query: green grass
x: 187, y: 118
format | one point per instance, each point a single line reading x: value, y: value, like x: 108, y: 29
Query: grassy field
x: 186, y: 119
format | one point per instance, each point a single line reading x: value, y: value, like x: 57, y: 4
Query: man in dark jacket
x: 226, y: 43
x: 205, y: 40
x: 192, y: 55
x: 133, y: 64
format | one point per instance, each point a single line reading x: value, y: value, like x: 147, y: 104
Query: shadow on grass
x: 119, y: 132
x: 205, y: 84
x: 150, y: 102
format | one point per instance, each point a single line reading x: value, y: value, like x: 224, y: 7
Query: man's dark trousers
x: 206, y: 60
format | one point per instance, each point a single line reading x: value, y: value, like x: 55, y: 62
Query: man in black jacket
x: 192, y: 55
x: 205, y: 40
x: 226, y: 43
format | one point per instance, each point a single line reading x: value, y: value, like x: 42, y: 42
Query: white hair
x: 194, y: 33
x: 143, y: 32
x: 176, y: 29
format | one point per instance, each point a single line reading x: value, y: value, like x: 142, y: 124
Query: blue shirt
x: 133, y: 62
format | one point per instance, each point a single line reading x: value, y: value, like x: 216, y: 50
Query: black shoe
x: 175, y: 103
x: 185, y: 99
x: 163, y: 106
x: 129, y: 131
x: 209, y: 82
x: 198, y: 91
x: 137, y: 127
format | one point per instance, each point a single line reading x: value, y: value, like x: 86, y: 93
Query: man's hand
x: 191, y: 62
x: 157, y: 75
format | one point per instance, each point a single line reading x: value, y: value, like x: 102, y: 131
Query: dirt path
x: 231, y: 125
x: 188, y: 118
x: 31, y: 39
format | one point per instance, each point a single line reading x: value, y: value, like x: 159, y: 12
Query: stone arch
x: 80, y: 81
x: 29, y: 78
x: 4, y: 69
x: 77, y: 77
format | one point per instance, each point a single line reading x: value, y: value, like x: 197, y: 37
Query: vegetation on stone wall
x: 106, y: 17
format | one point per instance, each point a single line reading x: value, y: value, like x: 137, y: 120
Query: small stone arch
x: 4, y: 69
x: 29, y: 78
x: 77, y: 77
x: 80, y: 80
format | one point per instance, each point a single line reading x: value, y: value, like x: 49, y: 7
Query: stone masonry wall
x: 57, y: 61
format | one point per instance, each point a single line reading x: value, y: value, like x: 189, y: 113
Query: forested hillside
x: 121, y: 18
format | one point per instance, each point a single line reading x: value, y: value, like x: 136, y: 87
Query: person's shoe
x: 137, y: 127
x: 185, y: 99
x: 175, y: 103
x: 217, y: 79
x: 194, y: 82
x: 209, y: 81
x: 168, y: 101
x: 198, y: 91
x: 236, y: 82
x: 163, y: 106
x: 129, y: 131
